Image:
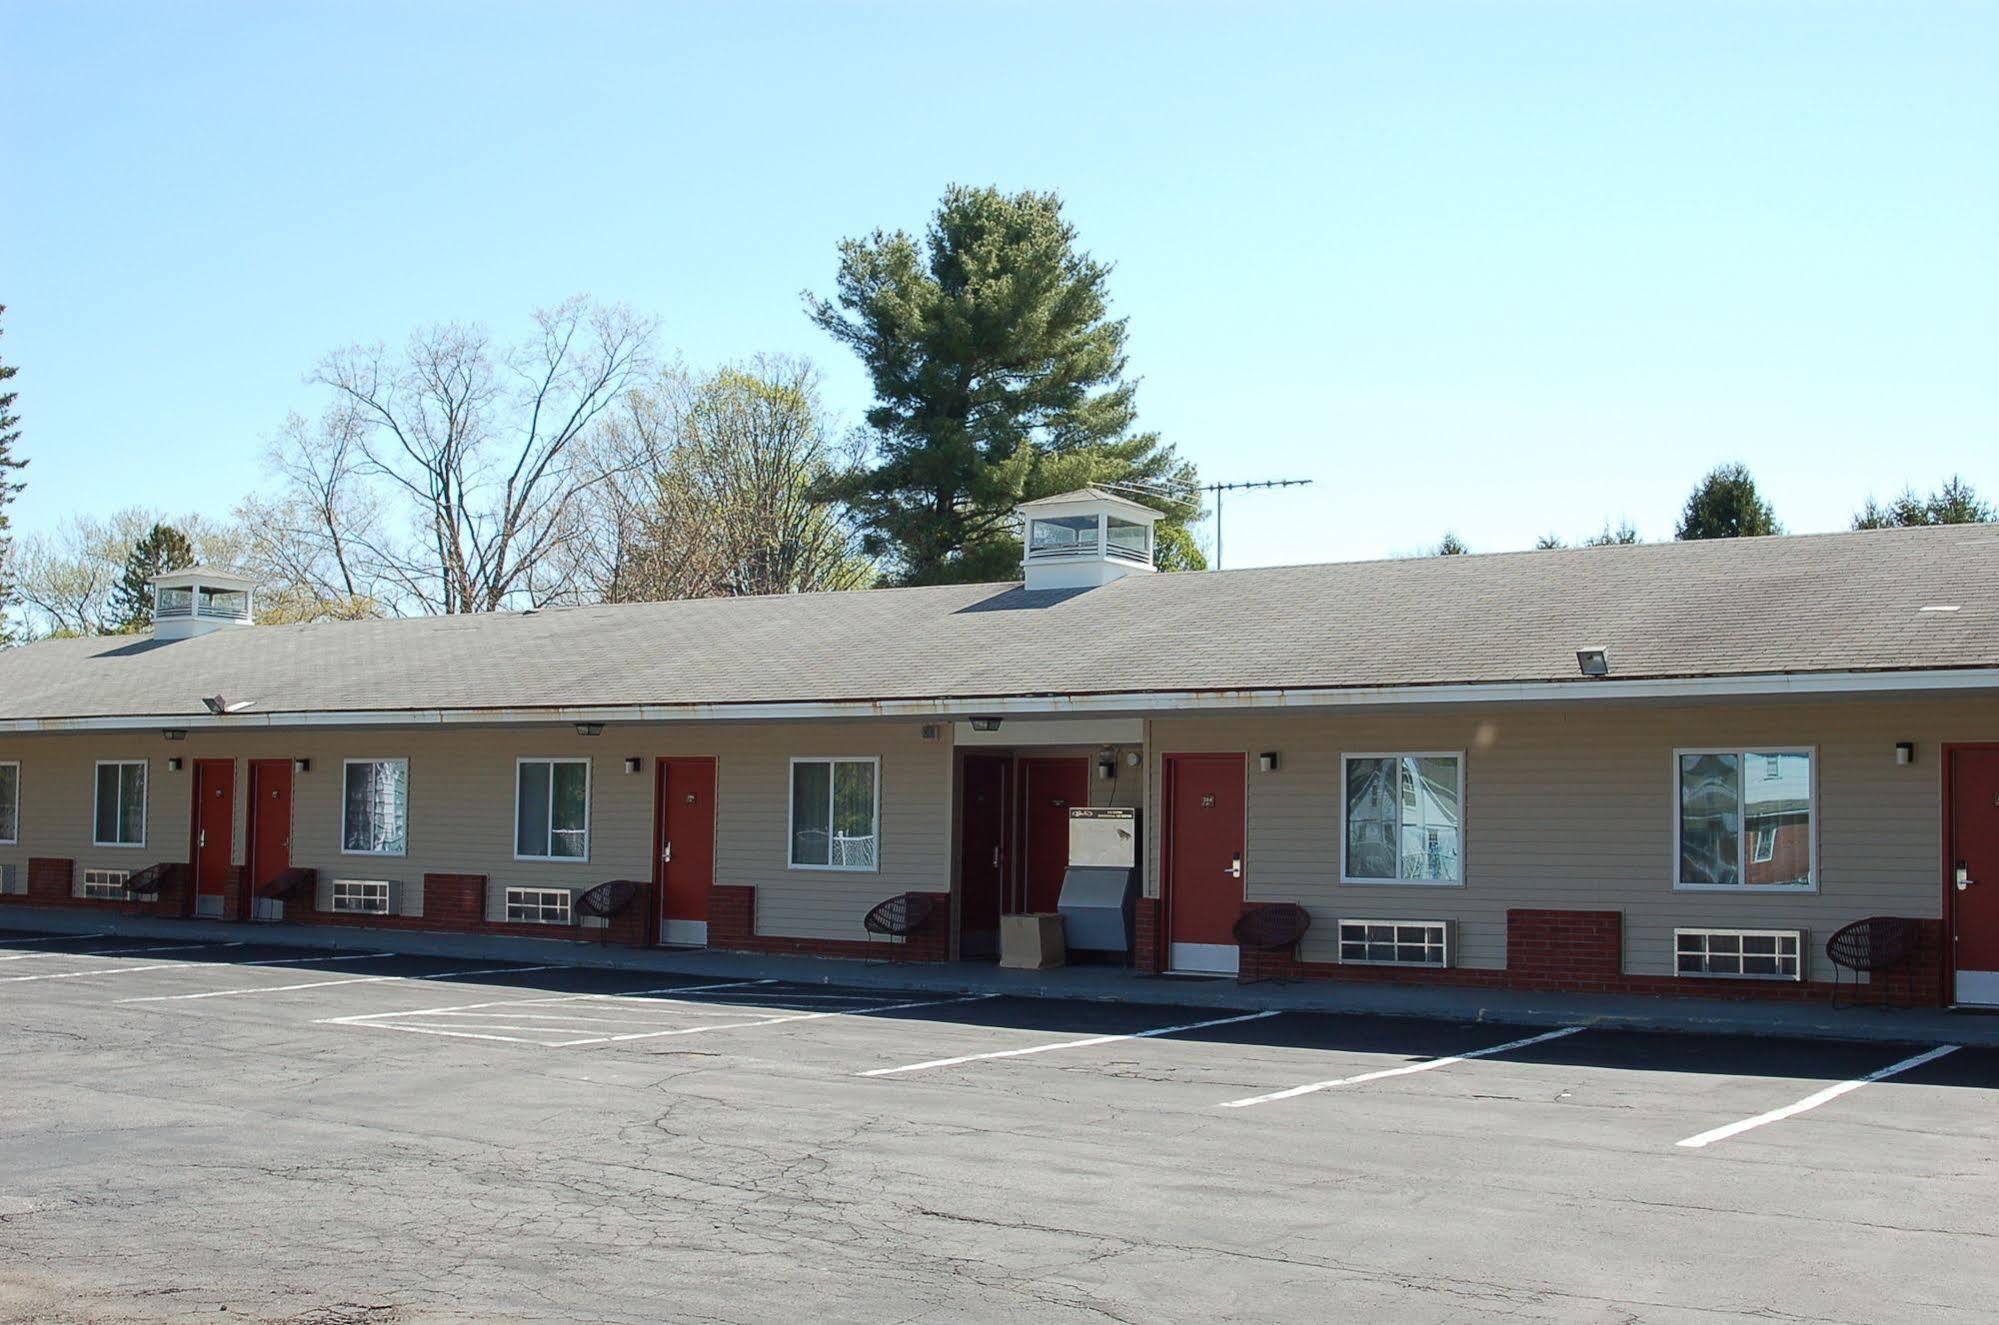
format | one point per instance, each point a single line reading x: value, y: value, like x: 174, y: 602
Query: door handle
x: 1963, y: 877
x: 666, y: 854
x: 1235, y: 866
x: 201, y: 839
x: 995, y: 857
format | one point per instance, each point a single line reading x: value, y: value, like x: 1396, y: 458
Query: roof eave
x: 1639, y: 689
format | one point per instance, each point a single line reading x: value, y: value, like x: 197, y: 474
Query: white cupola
x: 1081, y: 539
x: 200, y: 599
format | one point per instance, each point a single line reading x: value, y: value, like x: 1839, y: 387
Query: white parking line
x: 517, y: 1007
x: 344, y: 980
x: 113, y: 952
x: 316, y: 961
x: 1817, y: 1098
x: 51, y: 938
x: 102, y: 970
x: 1408, y: 1070
x: 778, y: 1021
x: 1065, y: 1044
x: 361, y: 1018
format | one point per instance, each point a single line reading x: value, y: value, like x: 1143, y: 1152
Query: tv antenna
x: 1188, y: 494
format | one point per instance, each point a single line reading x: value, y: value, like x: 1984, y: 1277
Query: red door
x: 1974, y: 873
x: 1202, y: 876
x: 1048, y: 788
x: 684, y: 865
x: 982, y: 853
x: 270, y: 847
x: 214, y: 832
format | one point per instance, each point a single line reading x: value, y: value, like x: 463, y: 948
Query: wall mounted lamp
x: 1905, y: 752
x: 985, y: 724
x: 175, y: 733
x: 589, y: 729
x: 1267, y: 761
x: 302, y: 765
x: 1593, y: 661
x: 633, y: 764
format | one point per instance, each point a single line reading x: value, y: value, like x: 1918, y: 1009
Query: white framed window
x: 10, y: 804
x: 835, y: 821
x: 551, y: 809
x: 120, y: 816
x: 363, y: 897
x: 106, y: 885
x: 538, y: 906
x: 1742, y: 954
x: 1395, y: 942
x: 1402, y: 818
x: 375, y: 807
x: 1745, y: 820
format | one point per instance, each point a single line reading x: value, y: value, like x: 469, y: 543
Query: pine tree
x: 999, y: 376
x: 1956, y: 502
x: 10, y: 464
x: 1727, y: 505
x: 1451, y: 546
x: 163, y: 549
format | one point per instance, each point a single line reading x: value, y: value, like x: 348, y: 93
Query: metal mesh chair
x: 1871, y: 946
x: 289, y: 884
x: 899, y: 917
x: 607, y: 901
x: 1271, y: 927
x: 149, y: 881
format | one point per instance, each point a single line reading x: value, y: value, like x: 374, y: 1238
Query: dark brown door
x: 982, y: 851
x: 684, y: 865
x: 214, y: 830
x: 1974, y: 874
x: 1203, y: 873
x: 1048, y: 788
x: 270, y: 847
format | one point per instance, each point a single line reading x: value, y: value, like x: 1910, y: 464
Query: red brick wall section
x: 1146, y: 953
x: 1576, y: 951
x: 732, y: 925
x: 49, y: 880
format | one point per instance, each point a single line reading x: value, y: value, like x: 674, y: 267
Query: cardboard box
x: 1032, y: 942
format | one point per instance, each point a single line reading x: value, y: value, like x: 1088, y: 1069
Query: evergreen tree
x: 1954, y: 503
x: 1623, y: 535
x: 10, y: 464
x: 1451, y: 546
x: 999, y: 376
x: 1727, y: 505
x: 163, y: 549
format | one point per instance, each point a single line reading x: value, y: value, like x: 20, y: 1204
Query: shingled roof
x: 1851, y: 602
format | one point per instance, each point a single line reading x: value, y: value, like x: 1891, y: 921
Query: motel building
x: 1676, y: 768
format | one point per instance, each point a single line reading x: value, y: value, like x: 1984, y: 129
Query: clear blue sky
x: 1499, y: 267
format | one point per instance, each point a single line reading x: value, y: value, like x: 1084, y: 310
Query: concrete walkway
x: 1693, y: 1015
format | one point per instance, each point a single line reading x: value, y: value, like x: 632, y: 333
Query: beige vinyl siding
x: 1574, y: 809
x: 461, y: 807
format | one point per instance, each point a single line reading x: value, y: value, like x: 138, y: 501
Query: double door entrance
x: 1013, y: 839
x: 220, y: 889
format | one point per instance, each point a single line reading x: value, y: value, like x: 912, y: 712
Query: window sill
x: 1401, y: 883
x: 1763, y: 888
x: 118, y: 846
x: 553, y: 860
x: 834, y: 869
x: 377, y: 855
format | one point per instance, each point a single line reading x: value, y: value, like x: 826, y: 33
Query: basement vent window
x: 1742, y: 954
x: 361, y: 897
x: 1395, y: 942
x: 106, y: 885
x: 538, y: 906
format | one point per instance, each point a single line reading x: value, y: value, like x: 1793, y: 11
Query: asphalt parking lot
x: 202, y: 1132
